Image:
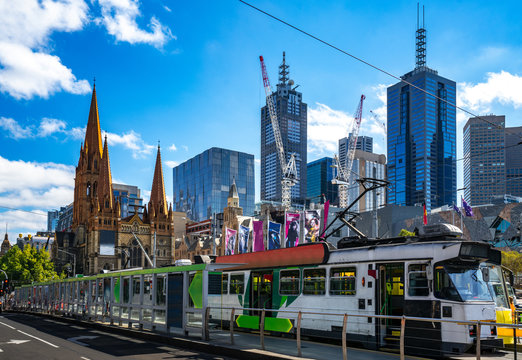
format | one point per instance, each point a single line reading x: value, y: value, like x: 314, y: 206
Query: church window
x: 94, y: 188
x: 99, y: 221
x: 88, y: 189
x: 106, y: 204
x: 95, y: 164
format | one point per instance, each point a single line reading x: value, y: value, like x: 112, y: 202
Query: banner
x: 424, y: 214
x: 292, y: 229
x: 258, y: 243
x: 243, y: 239
x: 312, y: 224
x: 274, y: 235
x: 230, y: 241
x: 326, y: 208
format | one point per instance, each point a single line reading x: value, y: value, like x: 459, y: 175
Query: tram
x: 435, y: 274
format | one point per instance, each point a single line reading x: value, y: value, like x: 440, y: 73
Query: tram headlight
x: 493, y: 330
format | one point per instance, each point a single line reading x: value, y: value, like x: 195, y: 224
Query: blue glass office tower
x: 422, y: 136
x: 319, y: 181
x: 201, y: 184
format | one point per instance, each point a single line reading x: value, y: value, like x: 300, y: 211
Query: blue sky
x: 187, y: 74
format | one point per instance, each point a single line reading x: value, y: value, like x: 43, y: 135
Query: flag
x: 292, y: 222
x: 424, y: 214
x: 274, y: 235
x: 243, y: 239
x: 467, y: 209
x: 230, y: 241
x: 326, y: 208
x: 457, y: 210
x: 258, y: 243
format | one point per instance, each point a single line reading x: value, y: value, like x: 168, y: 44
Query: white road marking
x: 77, y: 338
x: 9, y: 326
x: 37, y: 338
x: 78, y: 327
x: 84, y: 358
x: 16, y: 342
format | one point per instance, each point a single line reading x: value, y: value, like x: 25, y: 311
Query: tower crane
x: 289, y: 168
x: 344, y: 176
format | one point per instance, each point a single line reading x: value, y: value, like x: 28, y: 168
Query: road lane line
x: 37, y: 338
x: 84, y: 358
x: 9, y: 326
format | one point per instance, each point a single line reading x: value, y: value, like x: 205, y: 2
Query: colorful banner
x: 243, y: 239
x: 230, y: 241
x: 312, y: 224
x: 326, y: 208
x: 424, y: 214
x: 258, y: 243
x: 467, y: 209
x: 292, y: 229
x: 274, y: 235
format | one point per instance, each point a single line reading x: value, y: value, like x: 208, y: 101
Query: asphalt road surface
x: 31, y: 337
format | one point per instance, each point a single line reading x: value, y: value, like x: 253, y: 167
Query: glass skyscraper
x: 319, y: 180
x: 292, y: 119
x: 422, y: 137
x: 201, y: 184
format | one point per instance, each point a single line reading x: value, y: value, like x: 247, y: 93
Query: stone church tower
x: 102, y: 239
x: 6, y: 245
x: 230, y: 217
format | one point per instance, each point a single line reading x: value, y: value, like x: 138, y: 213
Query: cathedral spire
x: 157, y: 195
x: 93, y: 139
x: 105, y: 186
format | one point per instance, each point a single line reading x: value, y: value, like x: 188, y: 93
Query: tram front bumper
x: 490, y: 344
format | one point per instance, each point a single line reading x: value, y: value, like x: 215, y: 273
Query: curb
x: 180, y: 342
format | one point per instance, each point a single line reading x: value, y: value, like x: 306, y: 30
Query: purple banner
x: 258, y: 243
x: 292, y: 229
x: 312, y: 224
x: 326, y: 208
x: 243, y: 239
x: 230, y: 241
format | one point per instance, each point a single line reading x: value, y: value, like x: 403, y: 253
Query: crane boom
x: 289, y: 170
x: 344, y: 176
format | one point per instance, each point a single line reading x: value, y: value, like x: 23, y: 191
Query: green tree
x: 512, y: 260
x: 406, y: 233
x: 28, y: 265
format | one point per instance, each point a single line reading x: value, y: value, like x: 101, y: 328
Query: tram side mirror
x: 429, y: 272
x: 485, y: 274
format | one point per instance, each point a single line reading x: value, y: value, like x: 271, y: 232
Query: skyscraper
x: 201, y: 185
x: 364, y: 143
x: 484, y: 159
x: 513, y: 161
x: 292, y: 120
x: 319, y: 180
x: 422, y: 135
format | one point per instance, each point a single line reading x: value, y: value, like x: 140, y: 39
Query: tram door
x: 391, y: 301
x: 262, y: 290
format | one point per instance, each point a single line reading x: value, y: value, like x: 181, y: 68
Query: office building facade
x: 364, y: 143
x: 319, y: 181
x: 129, y: 198
x: 513, y: 161
x: 484, y: 159
x: 52, y: 219
x: 201, y: 184
x: 421, y: 136
x: 292, y: 120
x: 372, y: 166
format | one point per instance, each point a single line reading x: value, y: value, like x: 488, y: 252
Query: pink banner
x: 230, y: 241
x: 292, y: 229
x: 259, y: 244
x: 326, y: 208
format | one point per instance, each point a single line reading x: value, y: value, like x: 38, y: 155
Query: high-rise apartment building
x: 422, y: 136
x: 484, y: 159
x: 513, y: 161
x: 201, y: 184
x: 292, y: 120
x: 319, y: 181
x: 369, y: 165
x: 52, y: 220
x: 364, y: 143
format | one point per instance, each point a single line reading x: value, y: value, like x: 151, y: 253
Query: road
x: 25, y: 336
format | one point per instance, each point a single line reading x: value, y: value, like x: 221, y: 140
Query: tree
x: 28, y: 265
x: 406, y: 233
x: 513, y: 261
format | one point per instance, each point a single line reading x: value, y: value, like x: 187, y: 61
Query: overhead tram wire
x: 27, y: 211
x: 371, y: 65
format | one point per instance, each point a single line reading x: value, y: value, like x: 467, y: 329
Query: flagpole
x: 453, y: 214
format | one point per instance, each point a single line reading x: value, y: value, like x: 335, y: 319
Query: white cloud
x: 173, y: 147
x: 35, y: 185
x: 325, y: 127
x: 77, y: 133
x: 27, y: 68
x: 119, y: 18
x: 171, y: 164
x: 132, y: 141
x: 184, y: 147
x: 167, y: 8
x: 13, y: 129
x: 23, y: 222
x: 51, y: 126
x: 503, y: 87
x: 257, y: 161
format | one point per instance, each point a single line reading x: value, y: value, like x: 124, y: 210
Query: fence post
x: 262, y: 330
x: 478, y: 340
x: 403, y: 330
x: 207, y: 328
x: 345, y: 351
x: 232, y: 317
x: 299, y: 334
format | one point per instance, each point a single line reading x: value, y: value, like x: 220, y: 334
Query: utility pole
x: 74, y: 260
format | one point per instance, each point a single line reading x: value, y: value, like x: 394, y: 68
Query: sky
x: 186, y: 74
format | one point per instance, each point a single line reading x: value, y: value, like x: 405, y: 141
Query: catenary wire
x: 27, y: 211
x: 371, y: 65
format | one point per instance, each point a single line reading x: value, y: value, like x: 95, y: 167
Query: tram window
x: 237, y: 283
x: 342, y: 281
x: 160, y: 290
x: 136, y: 289
x: 214, y: 283
x: 314, y: 281
x: 418, y: 280
x: 224, y: 284
x: 289, y: 282
x: 126, y: 289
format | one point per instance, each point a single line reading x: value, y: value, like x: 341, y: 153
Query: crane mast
x: 344, y: 176
x: 289, y: 169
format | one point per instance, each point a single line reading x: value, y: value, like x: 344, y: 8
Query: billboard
x: 243, y: 239
x: 274, y: 235
x: 258, y: 242
x: 312, y: 225
x: 230, y: 241
x: 292, y: 229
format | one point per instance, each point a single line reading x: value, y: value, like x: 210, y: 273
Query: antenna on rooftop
x: 420, y: 41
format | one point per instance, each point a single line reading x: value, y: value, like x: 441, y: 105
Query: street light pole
x: 74, y: 260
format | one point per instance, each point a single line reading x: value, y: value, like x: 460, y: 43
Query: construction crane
x: 289, y: 168
x: 344, y: 176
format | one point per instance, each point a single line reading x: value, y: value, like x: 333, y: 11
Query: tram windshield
x: 496, y: 286
x: 461, y: 282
